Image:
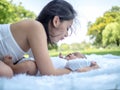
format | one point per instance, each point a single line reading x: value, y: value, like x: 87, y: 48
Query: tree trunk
x: 118, y: 42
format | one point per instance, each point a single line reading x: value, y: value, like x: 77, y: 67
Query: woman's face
x: 60, y: 31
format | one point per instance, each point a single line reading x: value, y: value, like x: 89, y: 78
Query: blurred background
x: 97, y: 26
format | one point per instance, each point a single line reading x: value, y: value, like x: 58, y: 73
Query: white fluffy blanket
x: 105, y: 78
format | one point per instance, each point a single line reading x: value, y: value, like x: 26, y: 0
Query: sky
x: 87, y: 10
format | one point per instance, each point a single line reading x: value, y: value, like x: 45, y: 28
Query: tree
x: 115, y: 9
x: 10, y: 12
x: 95, y: 29
x: 53, y: 46
x: 64, y: 47
x: 76, y: 46
x: 111, y: 34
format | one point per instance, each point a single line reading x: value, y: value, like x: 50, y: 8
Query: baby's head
x: 74, y: 55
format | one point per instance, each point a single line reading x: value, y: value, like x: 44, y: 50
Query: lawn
x: 91, y: 51
x: 103, y: 51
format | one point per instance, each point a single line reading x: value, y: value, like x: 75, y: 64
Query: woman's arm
x: 38, y: 42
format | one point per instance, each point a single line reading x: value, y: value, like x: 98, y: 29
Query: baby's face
x: 75, y: 55
x: 71, y: 56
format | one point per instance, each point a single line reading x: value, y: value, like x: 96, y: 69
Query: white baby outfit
x: 77, y: 63
x: 71, y: 64
x: 8, y: 45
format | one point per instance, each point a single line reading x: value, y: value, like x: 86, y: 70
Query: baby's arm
x: 79, y: 64
x: 85, y: 69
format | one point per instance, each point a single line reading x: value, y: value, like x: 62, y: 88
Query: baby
x: 72, y: 61
x: 77, y: 60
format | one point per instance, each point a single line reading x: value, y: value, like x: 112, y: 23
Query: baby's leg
x: 5, y: 70
x: 27, y: 66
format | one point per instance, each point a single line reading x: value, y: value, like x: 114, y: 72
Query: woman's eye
x: 67, y: 29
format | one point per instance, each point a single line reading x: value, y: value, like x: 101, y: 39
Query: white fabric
x: 8, y: 45
x: 57, y: 62
x: 107, y: 77
x: 63, y: 63
x: 77, y: 63
x: 71, y: 64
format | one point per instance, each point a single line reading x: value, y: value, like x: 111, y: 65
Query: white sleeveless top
x: 8, y: 45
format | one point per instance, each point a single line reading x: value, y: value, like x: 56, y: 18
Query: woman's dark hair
x: 59, y: 8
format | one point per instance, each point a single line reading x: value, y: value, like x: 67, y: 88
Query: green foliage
x: 111, y: 49
x: 79, y: 46
x: 75, y: 46
x: 115, y: 9
x: 52, y: 47
x: 111, y: 34
x: 103, y: 52
x: 95, y: 29
x: 10, y: 12
x: 85, y: 48
x: 64, y: 47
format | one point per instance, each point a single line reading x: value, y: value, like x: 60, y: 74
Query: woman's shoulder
x: 30, y: 23
x: 28, y: 27
x: 27, y: 23
x: 32, y: 26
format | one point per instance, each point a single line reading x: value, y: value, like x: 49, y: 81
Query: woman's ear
x: 56, y: 21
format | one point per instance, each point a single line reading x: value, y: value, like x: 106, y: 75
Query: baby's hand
x: 60, y: 55
x: 93, y: 63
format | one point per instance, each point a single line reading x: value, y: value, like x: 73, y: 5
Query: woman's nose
x: 66, y: 35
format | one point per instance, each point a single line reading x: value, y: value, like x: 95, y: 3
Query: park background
x: 97, y: 26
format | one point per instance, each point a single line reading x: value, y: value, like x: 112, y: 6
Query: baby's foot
x: 8, y: 60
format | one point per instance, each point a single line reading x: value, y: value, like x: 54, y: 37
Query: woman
x: 33, y: 36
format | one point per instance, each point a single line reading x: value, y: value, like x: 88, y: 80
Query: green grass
x: 102, y: 52
x: 90, y: 51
